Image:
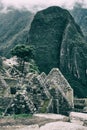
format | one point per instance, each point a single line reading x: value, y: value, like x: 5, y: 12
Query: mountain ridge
x: 14, y: 26
x: 52, y: 29
x: 59, y: 42
x: 79, y: 13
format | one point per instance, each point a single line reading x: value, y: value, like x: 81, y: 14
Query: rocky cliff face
x: 80, y: 15
x: 59, y: 42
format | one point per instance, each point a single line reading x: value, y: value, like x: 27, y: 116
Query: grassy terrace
x: 17, y: 116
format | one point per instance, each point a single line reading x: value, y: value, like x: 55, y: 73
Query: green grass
x: 22, y: 116
x: 19, y: 116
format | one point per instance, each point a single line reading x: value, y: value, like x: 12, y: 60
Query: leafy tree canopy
x: 24, y: 52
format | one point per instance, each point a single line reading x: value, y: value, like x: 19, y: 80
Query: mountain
x: 59, y: 42
x: 80, y: 15
x: 14, y: 27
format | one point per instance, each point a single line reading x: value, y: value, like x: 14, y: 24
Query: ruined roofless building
x: 60, y: 90
x: 46, y: 94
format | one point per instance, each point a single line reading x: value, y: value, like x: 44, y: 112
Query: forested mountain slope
x: 80, y: 15
x: 59, y: 42
x: 57, y: 39
x: 14, y: 27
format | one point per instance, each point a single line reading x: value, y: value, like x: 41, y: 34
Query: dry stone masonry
x: 43, y: 94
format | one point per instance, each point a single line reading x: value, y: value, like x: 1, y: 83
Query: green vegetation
x: 80, y: 15
x: 74, y: 82
x: 24, y: 54
x: 22, y: 116
x: 14, y: 27
x: 44, y: 107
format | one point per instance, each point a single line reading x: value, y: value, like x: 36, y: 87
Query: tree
x: 24, y: 53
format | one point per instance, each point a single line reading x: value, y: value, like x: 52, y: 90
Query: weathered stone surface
x: 59, y: 42
x: 21, y: 103
x: 43, y: 93
x: 4, y: 101
x: 85, y: 123
x: 53, y: 116
x: 56, y: 80
x: 62, y: 126
x: 41, y: 122
x: 35, y: 93
x: 56, y: 126
x: 78, y: 118
x: 60, y: 90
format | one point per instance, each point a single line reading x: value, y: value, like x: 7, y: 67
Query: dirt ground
x: 12, y: 124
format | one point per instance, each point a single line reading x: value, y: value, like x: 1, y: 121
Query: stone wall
x: 43, y: 94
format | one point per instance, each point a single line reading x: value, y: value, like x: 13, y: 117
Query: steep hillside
x: 32, y: 92
x: 80, y: 16
x: 14, y: 26
x: 59, y: 42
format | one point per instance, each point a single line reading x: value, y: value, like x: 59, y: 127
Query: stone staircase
x: 79, y: 104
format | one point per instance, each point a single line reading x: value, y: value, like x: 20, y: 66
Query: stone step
x: 78, y: 110
x: 79, y: 104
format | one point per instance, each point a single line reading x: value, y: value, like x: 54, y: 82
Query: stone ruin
x: 42, y: 94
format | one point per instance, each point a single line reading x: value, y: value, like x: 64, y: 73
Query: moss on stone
x: 44, y: 107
